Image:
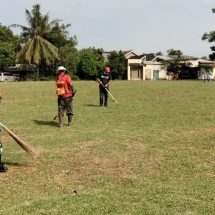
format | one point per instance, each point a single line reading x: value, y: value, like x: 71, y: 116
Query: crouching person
x: 65, y: 92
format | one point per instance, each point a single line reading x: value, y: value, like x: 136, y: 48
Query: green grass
x: 153, y: 153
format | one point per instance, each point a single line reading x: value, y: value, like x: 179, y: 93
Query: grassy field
x: 153, y: 153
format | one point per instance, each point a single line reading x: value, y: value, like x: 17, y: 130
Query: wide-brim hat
x: 61, y: 68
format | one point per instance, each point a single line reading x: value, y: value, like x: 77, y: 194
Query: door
x: 136, y: 73
x: 155, y: 74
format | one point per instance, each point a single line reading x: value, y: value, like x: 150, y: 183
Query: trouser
x: 1, y: 150
x: 103, y: 95
x: 65, y: 104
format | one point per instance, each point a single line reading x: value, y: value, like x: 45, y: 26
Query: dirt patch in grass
x: 84, y: 156
x: 202, y: 133
x: 83, y: 164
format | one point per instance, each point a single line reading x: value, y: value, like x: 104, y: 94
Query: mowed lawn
x: 153, y: 153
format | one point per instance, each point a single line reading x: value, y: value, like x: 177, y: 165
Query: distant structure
x: 152, y: 67
x: 127, y: 54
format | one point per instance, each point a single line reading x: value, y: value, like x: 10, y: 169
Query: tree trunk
x: 38, y: 73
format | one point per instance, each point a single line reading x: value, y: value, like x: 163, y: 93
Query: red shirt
x: 67, y: 83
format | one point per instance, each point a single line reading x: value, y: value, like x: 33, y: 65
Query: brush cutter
x: 107, y: 91
x: 29, y: 149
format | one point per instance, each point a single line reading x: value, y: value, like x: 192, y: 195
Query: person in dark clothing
x: 0, y: 97
x: 105, y: 79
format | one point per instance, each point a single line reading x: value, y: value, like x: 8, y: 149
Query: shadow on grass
x: 43, y: 122
x: 8, y: 163
x: 91, y: 105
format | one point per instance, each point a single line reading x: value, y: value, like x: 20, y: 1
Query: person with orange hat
x: 105, y: 79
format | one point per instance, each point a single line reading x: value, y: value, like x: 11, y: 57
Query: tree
x: 7, y: 54
x: 210, y: 37
x: 118, y: 65
x: 175, y: 63
x: 59, y: 35
x: 91, y: 63
x: 36, y: 47
x: 69, y: 57
x: 174, y: 52
x: 159, y: 53
x: 8, y: 46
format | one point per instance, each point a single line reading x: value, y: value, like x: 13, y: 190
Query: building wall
x: 213, y: 75
x: 130, y: 54
x: 163, y: 74
x: 145, y: 71
x: 105, y: 55
x: 148, y: 73
x: 132, y: 65
x: 192, y: 63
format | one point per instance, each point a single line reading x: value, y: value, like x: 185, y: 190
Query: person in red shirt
x: 65, y: 91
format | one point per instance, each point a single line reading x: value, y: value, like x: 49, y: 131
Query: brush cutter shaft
x: 110, y: 94
x: 107, y: 91
x: 20, y: 142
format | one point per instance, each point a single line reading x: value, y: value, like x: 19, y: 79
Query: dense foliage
x: 47, y: 44
x: 9, y: 44
x: 118, y: 65
x: 69, y: 57
x: 7, y: 54
x: 210, y: 37
x: 91, y: 63
x: 175, y: 64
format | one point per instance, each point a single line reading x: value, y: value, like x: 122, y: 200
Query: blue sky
x: 144, y: 26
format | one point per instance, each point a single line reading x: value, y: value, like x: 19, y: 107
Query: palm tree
x: 36, y: 47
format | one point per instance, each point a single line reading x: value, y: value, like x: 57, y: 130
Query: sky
x: 144, y: 26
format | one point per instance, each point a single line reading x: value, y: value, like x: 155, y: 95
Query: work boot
x: 69, y: 119
x: 60, y: 122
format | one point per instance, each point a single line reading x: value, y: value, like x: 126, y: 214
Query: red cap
x: 107, y: 69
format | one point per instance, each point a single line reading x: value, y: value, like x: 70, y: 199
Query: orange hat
x: 107, y: 69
